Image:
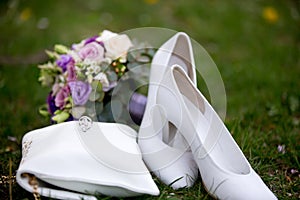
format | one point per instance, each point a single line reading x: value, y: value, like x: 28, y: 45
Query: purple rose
x: 80, y: 92
x: 71, y: 73
x: 64, y: 61
x: 61, y: 95
x: 93, y: 52
x: 91, y: 39
x: 51, y: 103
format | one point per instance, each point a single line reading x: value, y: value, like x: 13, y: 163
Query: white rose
x: 106, y: 35
x: 117, y: 47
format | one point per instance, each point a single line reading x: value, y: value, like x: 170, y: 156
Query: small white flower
x: 61, y: 78
x: 93, y: 69
x: 107, y: 61
x: 281, y: 149
x: 90, y: 78
x: 103, y: 79
x: 89, y: 62
x: 96, y: 69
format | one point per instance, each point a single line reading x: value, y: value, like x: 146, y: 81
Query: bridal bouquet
x: 85, y: 74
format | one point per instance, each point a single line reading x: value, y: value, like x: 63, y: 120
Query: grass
x: 258, y: 59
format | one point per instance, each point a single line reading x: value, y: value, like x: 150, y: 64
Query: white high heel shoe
x: 224, y: 169
x: 69, y: 162
x: 176, y: 166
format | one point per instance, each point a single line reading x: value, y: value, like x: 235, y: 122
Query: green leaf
x: 112, y: 76
x: 143, y: 90
x: 80, y: 76
x: 97, y: 86
x: 61, y: 49
x: 46, y: 77
x: 57, y: 112
x: 78, y: 111
x: 94, y: 96
x: 69, y: 105
x: 51, y: 54
x: 44, y: 113
x: 102, y: 95
x: 98, y: 107
x: 96, y: 91
x: 61, y: 117
x: 43, y: 110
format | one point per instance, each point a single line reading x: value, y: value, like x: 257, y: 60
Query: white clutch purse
x: 68, y: 161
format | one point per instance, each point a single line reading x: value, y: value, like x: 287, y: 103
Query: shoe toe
x: 246, y: 187
x: 180, y: 174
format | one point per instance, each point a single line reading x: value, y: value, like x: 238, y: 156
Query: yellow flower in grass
x: 25, y: 14
x: 270, y: 14
x: 151, y: 2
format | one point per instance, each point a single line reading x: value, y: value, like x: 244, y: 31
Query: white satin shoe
x: 165, y: 151
x: 74, y: 162
x: 224, y: 169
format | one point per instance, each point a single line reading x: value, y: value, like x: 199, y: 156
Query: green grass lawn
x: 255, y: 44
